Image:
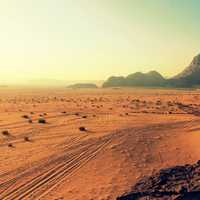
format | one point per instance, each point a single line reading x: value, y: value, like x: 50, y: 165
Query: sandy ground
x: 130, y: 133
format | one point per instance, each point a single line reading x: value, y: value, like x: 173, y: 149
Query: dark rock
x: 180, y: 182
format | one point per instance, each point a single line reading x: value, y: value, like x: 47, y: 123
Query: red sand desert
x: 92, y: 144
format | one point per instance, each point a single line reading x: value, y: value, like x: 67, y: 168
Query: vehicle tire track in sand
x: 68, y: 146
x: 63, y: 167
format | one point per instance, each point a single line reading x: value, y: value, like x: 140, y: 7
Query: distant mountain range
x: 150, y: 79
x: 82, y: 86
x: 190, y: 77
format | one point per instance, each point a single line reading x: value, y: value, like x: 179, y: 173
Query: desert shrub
x: 42, y: 121
x: 6, y: 133
x: 77, y: 114
x: 10, y: 145
x: 27, y: 139
x: 82, y: 128
x: 25, y: 116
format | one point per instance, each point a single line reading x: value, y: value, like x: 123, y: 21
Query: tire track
x: 48, y: 163
x: 49, y: 167
x: 68, y: 146
x: 52, y: 174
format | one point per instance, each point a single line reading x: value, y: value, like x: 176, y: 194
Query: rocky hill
x: 149, y: 79
x: 190, y: 77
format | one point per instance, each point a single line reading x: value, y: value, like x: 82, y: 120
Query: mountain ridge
x: 189, y: 77
x: 82, y: 86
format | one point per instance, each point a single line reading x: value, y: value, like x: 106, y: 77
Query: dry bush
x: 10, y: 145
x: 6, y: 133
x: 27, y: 139
x: 25, y: 116
x: 42, y: 121
x: 82, y: 128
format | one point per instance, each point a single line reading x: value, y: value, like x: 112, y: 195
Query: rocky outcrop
x: 190, y: 77
x: 115, y: 81
x: 180, y: 182
x: 150, y: 79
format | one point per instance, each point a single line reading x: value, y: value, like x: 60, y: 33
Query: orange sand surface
x: 130, y: 133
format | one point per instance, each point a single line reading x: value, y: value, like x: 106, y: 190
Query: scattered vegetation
x: 25, y: 116
x: 42, y: 121
x: 6, y: 133
x: 83, y: 129
x: 10, y: 145
x: 27, y: 139
x: 77, y: 114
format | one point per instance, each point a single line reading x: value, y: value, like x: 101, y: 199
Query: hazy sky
x: 93, y: 39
